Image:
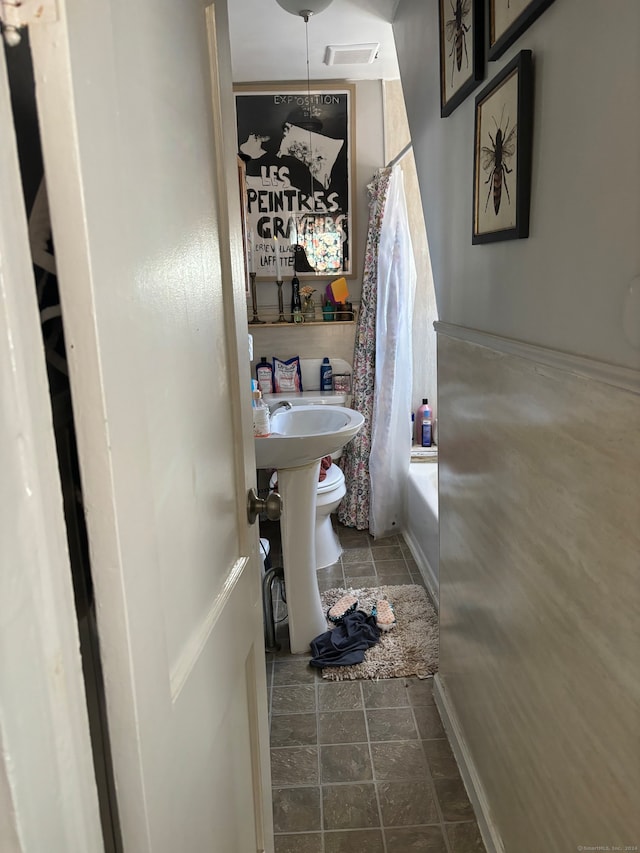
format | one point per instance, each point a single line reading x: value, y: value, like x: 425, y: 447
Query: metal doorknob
x: 272, y: 505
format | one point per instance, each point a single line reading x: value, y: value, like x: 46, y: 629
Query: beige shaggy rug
x: 411, y: 648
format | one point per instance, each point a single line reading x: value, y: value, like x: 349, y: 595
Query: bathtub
x: 421, y: 521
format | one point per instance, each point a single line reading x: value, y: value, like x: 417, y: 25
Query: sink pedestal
x: 300, y: 437
x: 298, y: 488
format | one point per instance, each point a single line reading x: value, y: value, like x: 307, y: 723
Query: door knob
x: 272, y: 505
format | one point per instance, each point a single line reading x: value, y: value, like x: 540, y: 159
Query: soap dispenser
x: 261, y: 419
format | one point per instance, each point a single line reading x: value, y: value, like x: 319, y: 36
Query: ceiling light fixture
x: 304, y: 8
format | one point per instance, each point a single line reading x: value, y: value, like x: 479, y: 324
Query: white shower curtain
x: 391, y: 425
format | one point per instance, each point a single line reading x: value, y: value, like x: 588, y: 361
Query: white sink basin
x: 304, y: 434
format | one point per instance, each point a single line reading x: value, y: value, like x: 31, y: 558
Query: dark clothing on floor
x: 347, y: 642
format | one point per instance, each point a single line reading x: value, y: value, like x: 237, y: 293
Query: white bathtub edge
x: 428, y: 575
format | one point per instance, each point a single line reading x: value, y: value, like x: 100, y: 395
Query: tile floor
x: 361, y: 766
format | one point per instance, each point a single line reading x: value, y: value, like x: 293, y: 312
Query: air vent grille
x: 351, y: 54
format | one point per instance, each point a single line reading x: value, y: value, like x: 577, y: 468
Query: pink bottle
x: 424, y: 424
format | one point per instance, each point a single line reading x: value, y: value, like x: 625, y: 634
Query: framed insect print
x: 507, y: 20
x: 502, y: 154
x: 461, y: 51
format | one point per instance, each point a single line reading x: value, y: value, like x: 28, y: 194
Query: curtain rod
x: 399, y: 156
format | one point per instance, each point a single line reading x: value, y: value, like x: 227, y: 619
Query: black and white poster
x: 297, y: 145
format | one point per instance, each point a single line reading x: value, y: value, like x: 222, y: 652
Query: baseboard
x: 470, y: 777
x: 428, y: 575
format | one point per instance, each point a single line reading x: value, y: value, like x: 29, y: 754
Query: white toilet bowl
x: 331, y: 490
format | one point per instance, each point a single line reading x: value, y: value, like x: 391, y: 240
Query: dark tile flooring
x: 361, y: 766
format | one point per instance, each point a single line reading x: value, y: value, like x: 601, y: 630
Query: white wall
x: 332, y: 339
x: 564, y: 286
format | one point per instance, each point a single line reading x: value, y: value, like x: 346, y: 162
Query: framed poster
x: 502, y: 154
x: 461, y: 51
x: 507, y: 20
x: 298, y: 144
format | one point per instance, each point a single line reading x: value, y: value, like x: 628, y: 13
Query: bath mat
x: 411, y: 648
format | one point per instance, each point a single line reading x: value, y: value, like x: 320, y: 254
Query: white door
x: 48, y: 798
x: 136, y: 112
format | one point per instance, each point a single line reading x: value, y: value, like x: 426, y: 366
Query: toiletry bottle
x: 424, y: 424
x: 296, y: 302
x: 326, y: 375
x: 261, y: 420
x: 264, y: 375
x: 413, y: 427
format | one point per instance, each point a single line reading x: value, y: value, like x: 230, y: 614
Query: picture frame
x: 298, y: 143
x: 243, y: 223
x: 461, y: 25
x: 506, y: 20
x: 503, y: 138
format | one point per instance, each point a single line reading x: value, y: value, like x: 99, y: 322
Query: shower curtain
x: 376, y: 461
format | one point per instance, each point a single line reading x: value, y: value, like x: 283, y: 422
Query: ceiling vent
x: 351, y: 54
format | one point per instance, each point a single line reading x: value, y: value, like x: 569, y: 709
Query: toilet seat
x: 334, y: 478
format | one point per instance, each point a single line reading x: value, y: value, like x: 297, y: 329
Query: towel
x: 347, y: 642
x: 325, y: 464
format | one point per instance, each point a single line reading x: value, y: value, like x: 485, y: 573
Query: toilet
x: 332, y: 489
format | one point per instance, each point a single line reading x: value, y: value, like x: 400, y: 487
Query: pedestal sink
x: 299, y: 438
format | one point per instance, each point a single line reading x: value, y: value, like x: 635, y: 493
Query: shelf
x: 270, y: 324
x: 269, y: 315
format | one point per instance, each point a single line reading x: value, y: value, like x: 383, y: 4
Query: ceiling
x: 268, y: 43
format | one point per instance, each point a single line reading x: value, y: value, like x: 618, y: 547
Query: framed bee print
x: 461, y: 51
x: 507, y: 20
x: 502, y: 154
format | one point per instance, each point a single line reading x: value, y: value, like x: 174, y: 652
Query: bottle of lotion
x: 261, y: 420
x: 423, y: 424
x: 264, y: 375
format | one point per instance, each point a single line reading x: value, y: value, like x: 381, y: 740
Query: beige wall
x: 539, y: 502
x: 396, y: 137
x: 540, y: 593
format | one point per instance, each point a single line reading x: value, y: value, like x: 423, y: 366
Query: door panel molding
x: 198, y: 640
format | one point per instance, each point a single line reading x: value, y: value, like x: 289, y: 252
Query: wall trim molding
x: 424, y: 566
x: 626, y: 378
x: 468, y: 771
